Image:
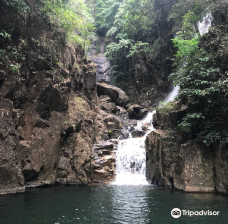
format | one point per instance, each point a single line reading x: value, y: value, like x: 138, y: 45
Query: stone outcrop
x: 49, y: 113
x: 33, y: 137
x: 136, y: 112
x: 184, y: 164
x: 116, y: 95
x: 220, y: 159
x: 104, y: 164
x: 137, y: 134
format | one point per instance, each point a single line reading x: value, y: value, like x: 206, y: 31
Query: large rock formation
x: 49, y: 114
x: 176, y: 161
x: 33, y: 134
x: 116, y: 95
x: 136, y: 112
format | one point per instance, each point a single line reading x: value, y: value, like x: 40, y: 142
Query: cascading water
x: 205, y: 24
x: 131, y: 153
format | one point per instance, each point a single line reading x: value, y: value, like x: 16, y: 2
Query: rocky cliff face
x: 55, y: 108
x: 176, y: 161
x: 50, y: 117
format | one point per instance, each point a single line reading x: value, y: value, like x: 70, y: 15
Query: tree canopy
x: 201, y: 70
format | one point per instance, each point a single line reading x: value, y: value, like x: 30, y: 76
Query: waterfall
x: 205, y: 24
x: 131, y: 153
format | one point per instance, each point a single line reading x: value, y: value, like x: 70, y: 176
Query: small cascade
x: 205, y: 24
x: 131, y: 153
x: 172, y: 94
x: 97, y: 50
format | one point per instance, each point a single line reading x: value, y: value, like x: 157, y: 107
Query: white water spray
x: 205, y: 24
x: 131, y: 153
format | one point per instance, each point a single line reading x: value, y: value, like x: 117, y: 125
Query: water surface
x: 110, y: 204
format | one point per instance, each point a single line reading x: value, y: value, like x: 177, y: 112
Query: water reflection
x: 129, y: 204
x: 111, y: 204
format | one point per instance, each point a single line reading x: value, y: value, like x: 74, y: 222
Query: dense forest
x: 138, y: 38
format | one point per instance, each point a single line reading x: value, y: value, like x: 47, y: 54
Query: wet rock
x: 103, y: 145
x: 106, y: 152
x: 145, y: 126
x: 30, y: 171
x: 131, y: 128
x: 136, y: 112
x: 137, y: 134
x: 11, y: 179
x: 166, y: 118
x: 103, y: 68
x: 126, y: 136
x: 73, y: 180
x: 128, y: 105
x: 61, y: 173
x: 115, y: 141
x: 111, y: 158
x: 63, y: 163
x: 117, y: 95
x: 61, y: 181
x: 38, y: 183
x: 105, y: 98
x: 105, y: 106
x: 95, y: 165
x: 111, y: 125
x: 114, y: 119
x: 187, y: 167
x: 112, y: 107
x: 220, y: 158
x: 101, y: 174
x: 120, y: 110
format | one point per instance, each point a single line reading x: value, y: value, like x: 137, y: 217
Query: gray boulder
x: 117, y: 95
x: 137, y: 134
x: 136, y: 112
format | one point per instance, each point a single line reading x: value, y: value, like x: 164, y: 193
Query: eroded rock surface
x: 116, y: 95
x: 185, y: 164
x: 136, y: 112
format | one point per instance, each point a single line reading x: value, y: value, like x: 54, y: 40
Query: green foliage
x: 74, y: 17
x: 5, y: 35
x: 110, y: 134
x: 130, y: 25
x: 182, y: 8
x: 14, y: 68
x: 105, y: 11
x: 187, y: 41
x: 17, y: 5
x: 165, y: 107
x: 203, y: 80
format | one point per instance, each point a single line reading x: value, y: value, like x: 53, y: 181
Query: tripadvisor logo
x: 176, y: 213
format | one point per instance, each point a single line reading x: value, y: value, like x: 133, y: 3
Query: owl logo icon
x: 176, y: 213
